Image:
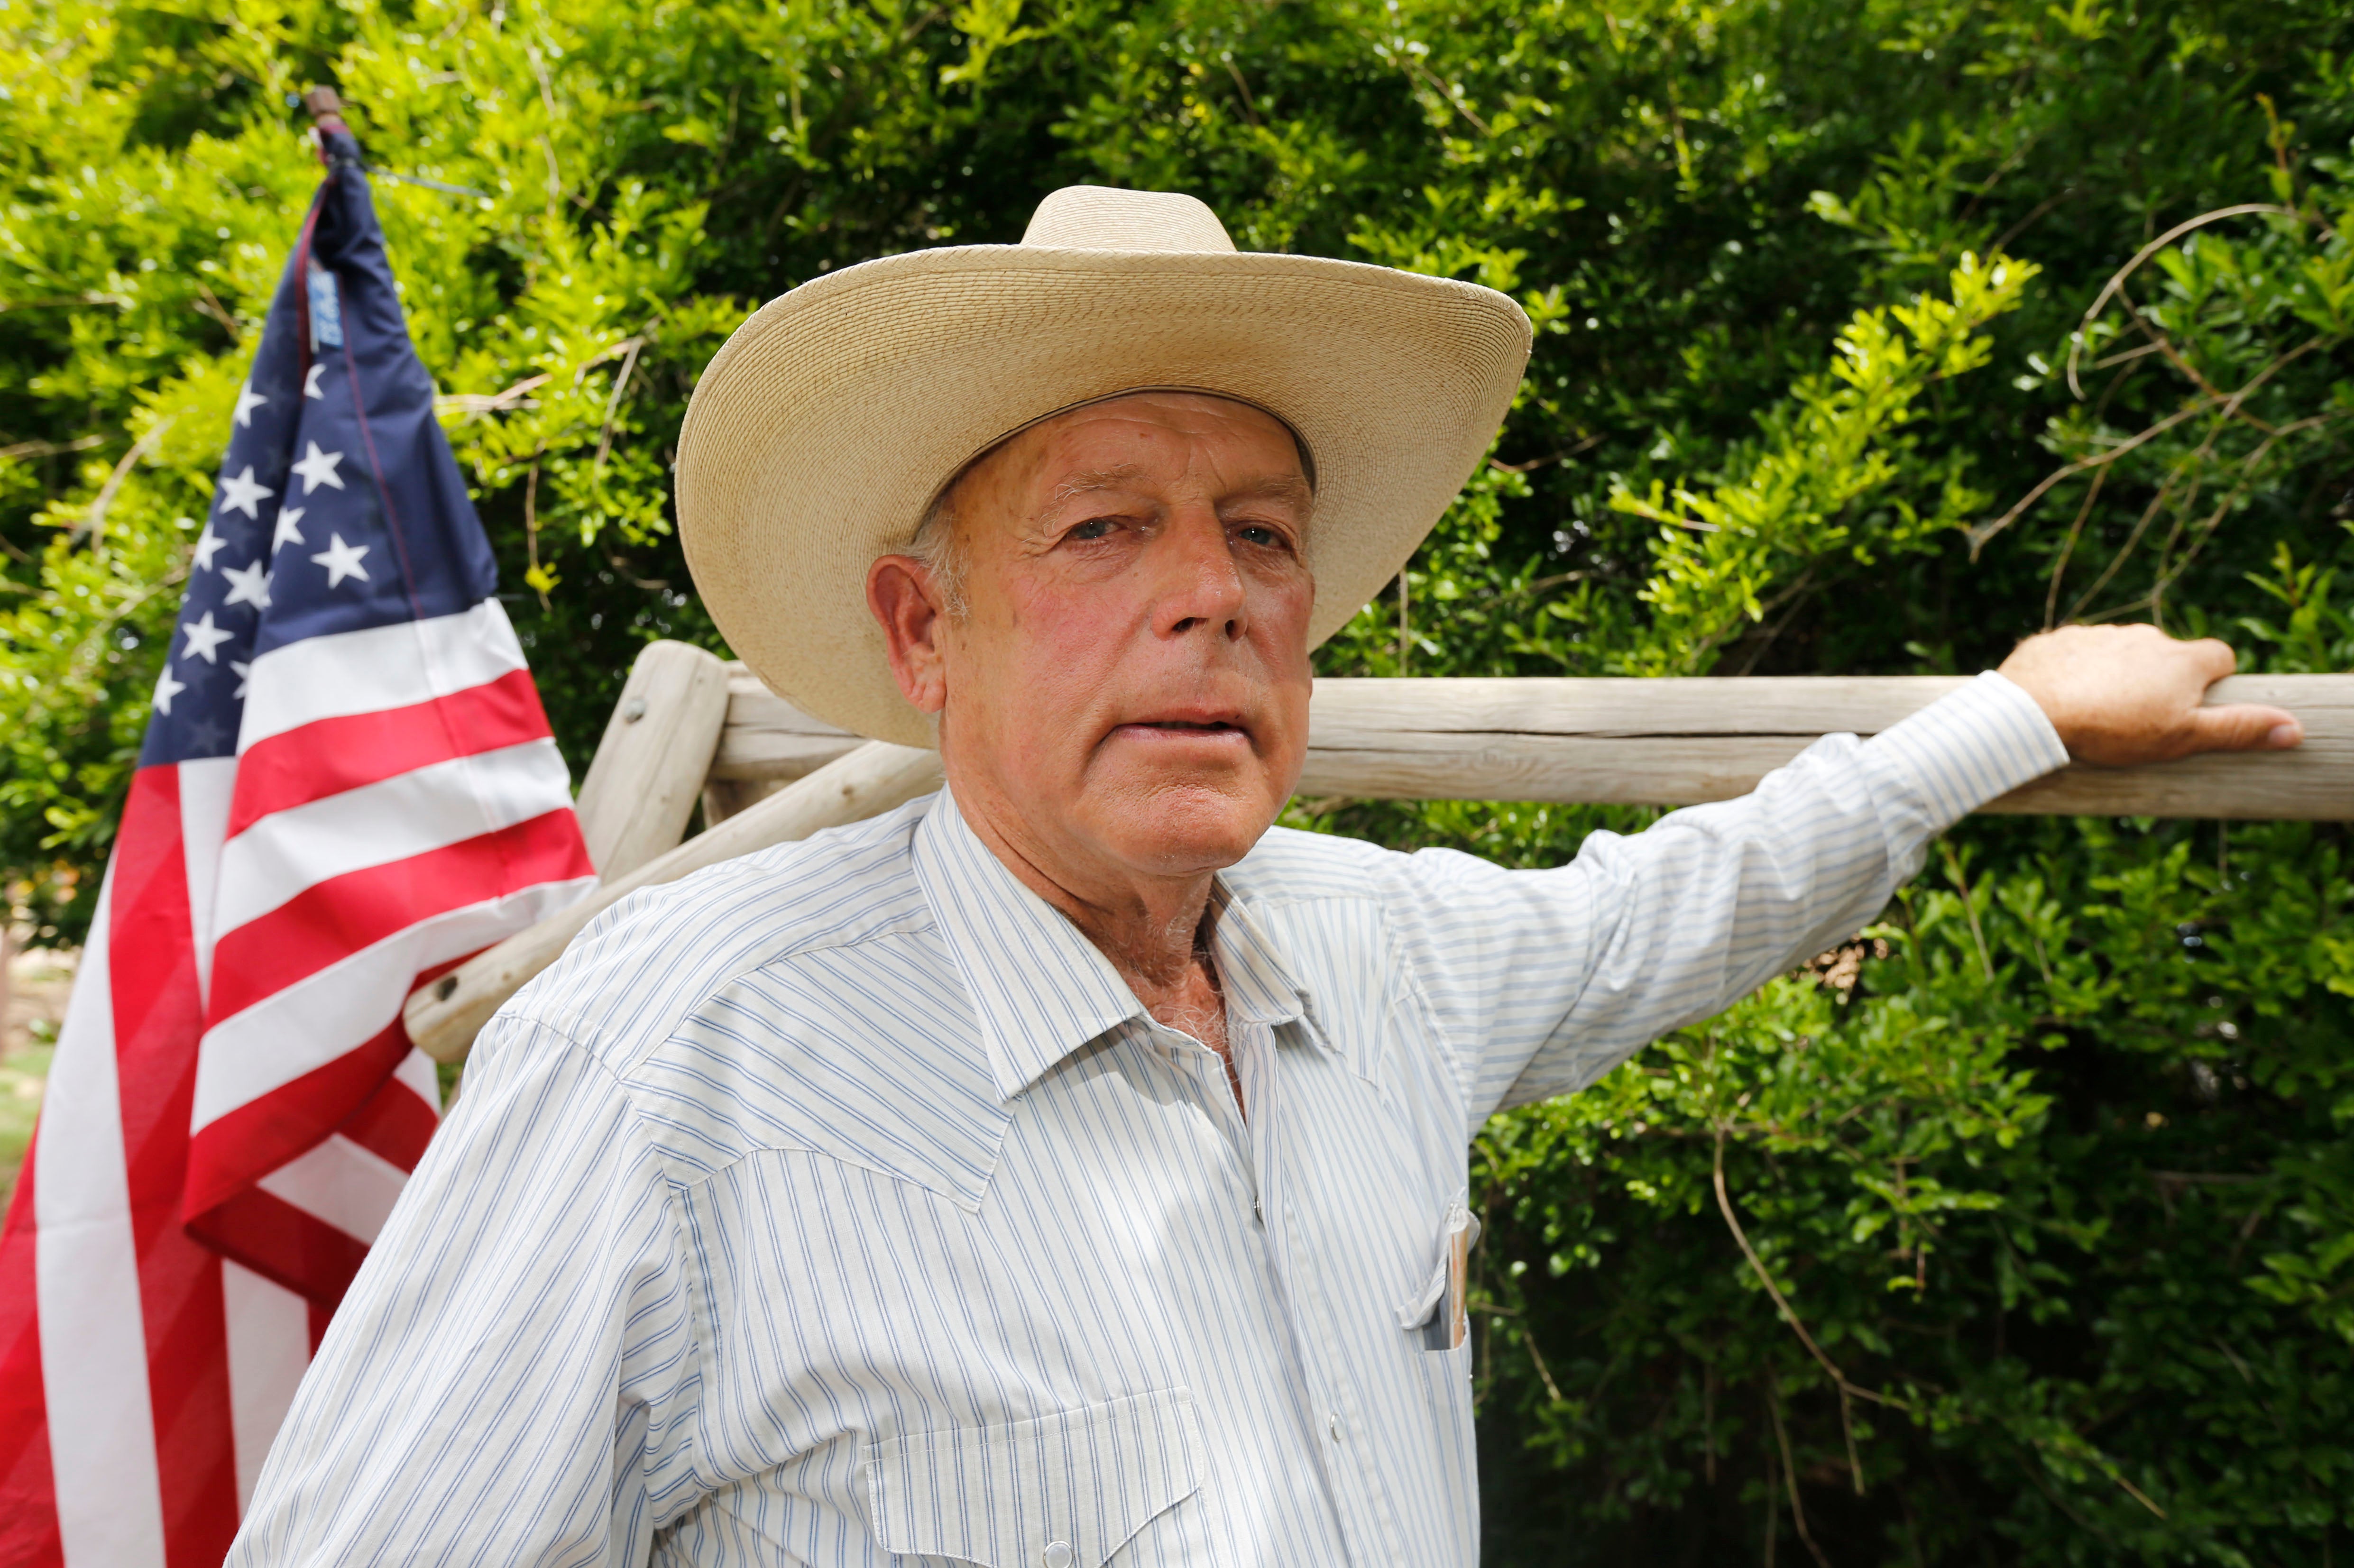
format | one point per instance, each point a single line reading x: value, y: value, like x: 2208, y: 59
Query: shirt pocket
x: 1065, y: 1490
x: 1439, y: 1313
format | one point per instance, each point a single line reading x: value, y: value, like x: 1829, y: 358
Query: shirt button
x: 1332, y: 1423
x: 1056, y: 1555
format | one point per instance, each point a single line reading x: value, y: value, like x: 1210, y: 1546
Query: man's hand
x: 2123, y: 695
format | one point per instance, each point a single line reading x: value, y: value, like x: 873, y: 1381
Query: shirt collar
x: 1040, y: 988
x: 1258, y: 984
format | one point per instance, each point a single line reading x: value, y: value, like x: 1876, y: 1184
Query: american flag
x: 348, y: 785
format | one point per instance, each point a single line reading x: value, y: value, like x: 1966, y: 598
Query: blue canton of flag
x: 340, y: 506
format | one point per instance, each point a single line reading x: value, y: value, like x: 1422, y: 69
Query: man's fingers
x: 2215, y: 659
x: 2244, y: 726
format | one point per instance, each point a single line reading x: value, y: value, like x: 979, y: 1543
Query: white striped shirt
x: 841, y: 1203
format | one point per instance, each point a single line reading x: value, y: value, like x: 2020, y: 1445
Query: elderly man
x: 1068, y: 1168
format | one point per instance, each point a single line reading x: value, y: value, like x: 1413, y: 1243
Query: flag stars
x: 241, y: 669
x: 205, y: 639
x: 247, y: 584
x: 310, y: 382
x: 287, y: 533
x: 247, y: 400
x: 166, y: 689
x: 242, y: 492
x: 317, y: 468
x: 341, y: 560
x: 208, y: 545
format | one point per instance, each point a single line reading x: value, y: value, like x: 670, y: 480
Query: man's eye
x: 1093, y: 528
x: 1259, y: 534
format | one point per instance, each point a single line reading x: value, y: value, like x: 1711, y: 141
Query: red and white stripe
x: 234, y: 1105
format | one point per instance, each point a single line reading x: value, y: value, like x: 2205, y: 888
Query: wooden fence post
x: 649, y: 769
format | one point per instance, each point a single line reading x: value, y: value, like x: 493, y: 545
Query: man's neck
x: 1155, y: 930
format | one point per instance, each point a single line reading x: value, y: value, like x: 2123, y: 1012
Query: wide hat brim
x: 826, y: 426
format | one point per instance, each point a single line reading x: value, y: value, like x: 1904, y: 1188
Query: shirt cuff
x: 1972, y: 745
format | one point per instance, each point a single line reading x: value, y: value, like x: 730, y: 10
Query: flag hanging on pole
x: 348, y: 785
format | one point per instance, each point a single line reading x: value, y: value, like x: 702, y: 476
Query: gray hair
x: 935, y: 545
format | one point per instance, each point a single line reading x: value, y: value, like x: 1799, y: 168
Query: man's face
x: 1130, y: 675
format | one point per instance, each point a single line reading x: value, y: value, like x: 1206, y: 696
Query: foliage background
x: 2053, y: 1169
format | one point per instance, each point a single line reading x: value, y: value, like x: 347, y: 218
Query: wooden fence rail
x: 1665, y: 743
x: 773, y: 774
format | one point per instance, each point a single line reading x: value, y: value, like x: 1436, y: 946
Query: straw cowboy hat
x: 827, y: 424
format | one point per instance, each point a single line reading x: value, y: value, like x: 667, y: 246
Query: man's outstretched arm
x: 1547, y: 979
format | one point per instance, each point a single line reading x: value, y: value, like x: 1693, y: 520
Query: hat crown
x: 1098, y: 217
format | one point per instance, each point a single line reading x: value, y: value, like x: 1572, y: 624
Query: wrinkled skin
x: 1124, y: 702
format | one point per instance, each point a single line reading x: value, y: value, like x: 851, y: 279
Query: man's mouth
x: 1185, y: 728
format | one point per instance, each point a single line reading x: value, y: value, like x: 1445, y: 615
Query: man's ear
x: 899, y: 592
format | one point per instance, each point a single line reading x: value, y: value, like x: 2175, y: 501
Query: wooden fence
x: 690, y: 728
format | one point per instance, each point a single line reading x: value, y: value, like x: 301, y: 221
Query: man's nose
x: 1201, y: 586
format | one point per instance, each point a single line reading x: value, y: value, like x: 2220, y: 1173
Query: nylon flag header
x: 347, y: 786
